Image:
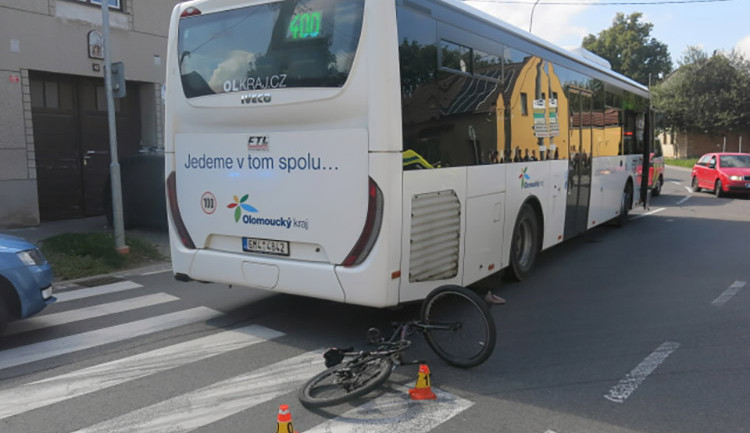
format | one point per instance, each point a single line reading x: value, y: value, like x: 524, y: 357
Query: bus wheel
x: 625, y: 203
x: 525, y: 243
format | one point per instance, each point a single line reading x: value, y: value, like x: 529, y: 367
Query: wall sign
x: 96, y: 45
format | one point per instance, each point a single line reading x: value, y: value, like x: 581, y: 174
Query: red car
x: 723, y: 173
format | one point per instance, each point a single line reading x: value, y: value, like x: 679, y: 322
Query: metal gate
x: 71, y: 142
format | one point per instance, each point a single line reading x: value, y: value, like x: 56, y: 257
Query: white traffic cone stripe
x: 55, y: 389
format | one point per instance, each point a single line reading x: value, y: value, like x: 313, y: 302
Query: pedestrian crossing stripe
x: 71, y: 316
x: 55, y: 389
x: 205, y: 405
x: 218, y: 401
x: 106, y: 289
x: 73, y: 343
x: 396, y: 408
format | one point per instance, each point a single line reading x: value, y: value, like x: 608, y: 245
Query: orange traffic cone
x: 284, y: 420
x: 423, y: 390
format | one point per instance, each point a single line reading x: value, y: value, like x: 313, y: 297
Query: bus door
x: 579, y: 162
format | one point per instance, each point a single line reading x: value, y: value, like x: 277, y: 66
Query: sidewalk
x: 160, y: 238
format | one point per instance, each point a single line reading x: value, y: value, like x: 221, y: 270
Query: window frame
x: 117, y: 6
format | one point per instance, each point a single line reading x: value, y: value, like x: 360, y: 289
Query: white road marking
x: 620, y: 392
x: 61, y: 346
x: 655, y: 211
x: 684, y: 199
x: 55, y: 389
x: 382, y: 414
x: 96, y: 291
x: 728, y: 294
x: 160, y: 271
x: 71, y: 316
x: 220, y: 400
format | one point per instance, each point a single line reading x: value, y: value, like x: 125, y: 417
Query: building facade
x: 682, y: 144
x: 54, y: 148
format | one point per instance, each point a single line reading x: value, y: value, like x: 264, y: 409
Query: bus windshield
x: 286, y: 44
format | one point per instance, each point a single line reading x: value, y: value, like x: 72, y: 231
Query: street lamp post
x: 114, y: 167
x: 531, y: 20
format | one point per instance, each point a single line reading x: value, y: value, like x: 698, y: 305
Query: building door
x: 71, y: 141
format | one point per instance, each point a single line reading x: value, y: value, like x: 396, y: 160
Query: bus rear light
x: 371, y: 229
x: 190, y: 12
x: 174, y: 209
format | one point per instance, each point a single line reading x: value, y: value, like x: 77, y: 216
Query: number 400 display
x: 306, y: 25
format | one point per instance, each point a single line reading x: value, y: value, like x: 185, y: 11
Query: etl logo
x: 258, y: 142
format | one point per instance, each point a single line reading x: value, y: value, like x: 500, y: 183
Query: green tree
x: 630, y: 50
x: 707, y: 94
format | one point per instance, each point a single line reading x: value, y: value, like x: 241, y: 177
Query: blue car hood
x: 13, y: 244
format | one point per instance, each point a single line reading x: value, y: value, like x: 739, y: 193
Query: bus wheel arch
x: 528, y: 232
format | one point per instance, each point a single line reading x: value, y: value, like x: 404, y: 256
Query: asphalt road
x: 639, y: 329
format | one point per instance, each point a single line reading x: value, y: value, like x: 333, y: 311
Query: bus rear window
x: 285, y: 44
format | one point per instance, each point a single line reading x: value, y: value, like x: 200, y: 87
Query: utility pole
x: 114, y: 167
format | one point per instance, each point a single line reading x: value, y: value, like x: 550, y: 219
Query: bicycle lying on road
x: 456, y: 324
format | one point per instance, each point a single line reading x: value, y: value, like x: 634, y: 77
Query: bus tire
x: 625, y: 203
x: 525, y: 243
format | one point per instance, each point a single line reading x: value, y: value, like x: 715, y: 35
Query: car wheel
x: 3, y: 315
x: 695, y: 186
x: 718, y: 189
x: 656, y: 191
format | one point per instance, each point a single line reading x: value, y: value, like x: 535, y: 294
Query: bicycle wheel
x: 467, y: 337
x: 346, y: 381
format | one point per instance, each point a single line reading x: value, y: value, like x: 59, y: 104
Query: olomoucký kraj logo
x: 239, y: 205
x: 525, y: 180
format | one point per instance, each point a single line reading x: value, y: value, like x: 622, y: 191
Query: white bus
x: 369, y: 151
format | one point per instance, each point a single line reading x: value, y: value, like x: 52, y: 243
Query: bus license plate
x: 265, y: 246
